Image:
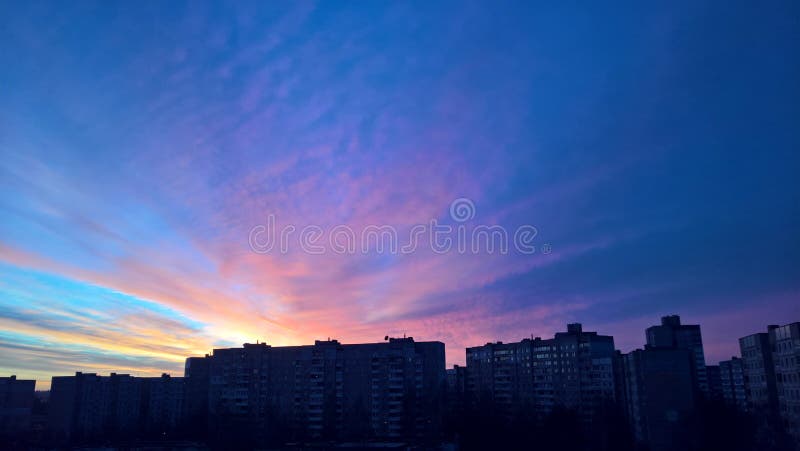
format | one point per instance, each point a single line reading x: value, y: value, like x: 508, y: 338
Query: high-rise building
x: 659, y: 395
x: 732, y: 383
x: 759, y: 373
x: 196, y: 378
x: 162, y: 404
x: 786, y: 358
x: 672, y: 334
x: 16, y: 403
x: 390, y: 390
x: 499, y: 376
x: 574, y: 369
x: 87, y: 407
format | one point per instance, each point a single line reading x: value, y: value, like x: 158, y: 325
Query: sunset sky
x: 655, y: 147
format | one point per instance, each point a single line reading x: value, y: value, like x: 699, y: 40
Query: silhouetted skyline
x: 398, y: 393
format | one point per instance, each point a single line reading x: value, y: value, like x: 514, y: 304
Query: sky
x: 653, y: 147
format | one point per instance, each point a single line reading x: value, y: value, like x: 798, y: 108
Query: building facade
x: 574, y: 369
x: 786, y: 358
x: 732, y: 383
x: 162, y: 401
x: 672, y: 334
x: 759, y: 373
x: 659, y: 395
x: 456, y: 388
x: 16, y: 404
x: 329, y: 391
x: 714, y: 381
x: 499, y: 376
x: 88, y: 407
x: 196, y: 387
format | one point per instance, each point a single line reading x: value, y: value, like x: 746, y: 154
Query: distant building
x: 659, y: 395
x: 195, y: 404
x: 385, y: 391
x: 456, y: 388
x: 499, y: 376
x: 672, y: 334
x: 574, y: 370
x: 714, y: 381
x: 786, y: 358
x: 16, y: 404
x: 620, y: 395
x: 88, y: 407
x: 80, y: 407
x: 732, y: 383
